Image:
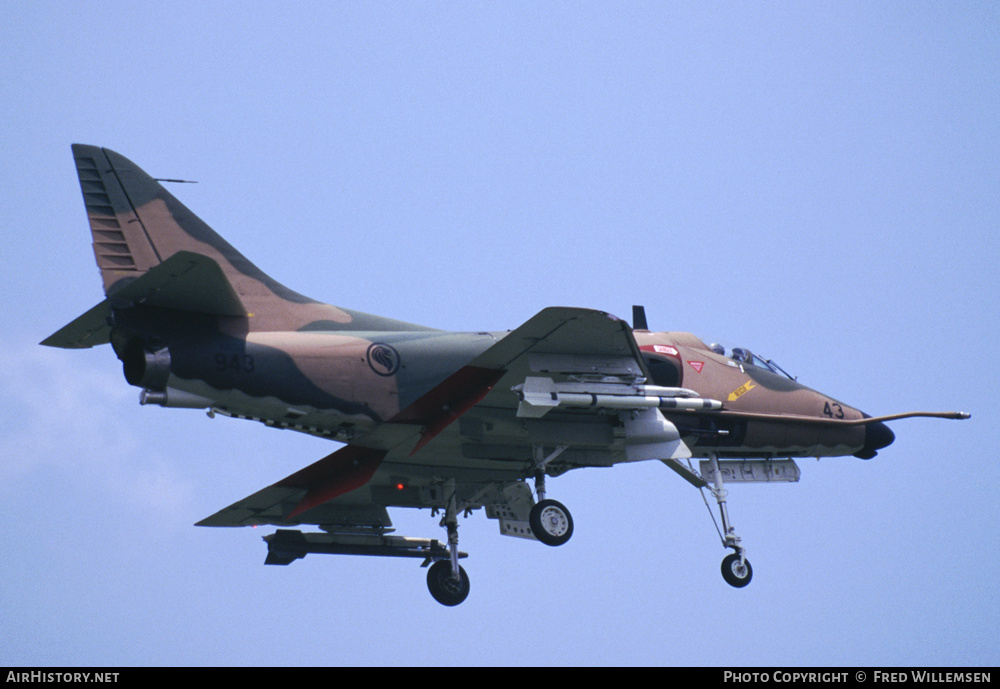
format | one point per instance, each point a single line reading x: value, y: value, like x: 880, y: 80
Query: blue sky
x: 819, y: 182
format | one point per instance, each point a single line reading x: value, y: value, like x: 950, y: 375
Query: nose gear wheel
x: 736, y: 570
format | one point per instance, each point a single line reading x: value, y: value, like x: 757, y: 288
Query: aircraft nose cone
x: 877, y: 436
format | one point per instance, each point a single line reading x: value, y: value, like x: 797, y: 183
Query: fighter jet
x: 451, y: 421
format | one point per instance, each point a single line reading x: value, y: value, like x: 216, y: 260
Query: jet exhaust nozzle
x: 144, y: 368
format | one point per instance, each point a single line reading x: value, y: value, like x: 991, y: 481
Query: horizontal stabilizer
x: 186, y: 281
x: 89, y: 330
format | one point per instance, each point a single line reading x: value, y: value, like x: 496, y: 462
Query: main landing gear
x: 549, y: 521
x: 446, y: 579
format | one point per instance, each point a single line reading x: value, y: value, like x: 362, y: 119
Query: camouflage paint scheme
x: 428, y: 415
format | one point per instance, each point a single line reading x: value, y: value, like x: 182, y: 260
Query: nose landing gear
x: 736, y: 569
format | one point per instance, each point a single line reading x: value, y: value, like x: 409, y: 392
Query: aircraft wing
x: 555, y: 341
x: 309, y: 489
x: 465, y: 429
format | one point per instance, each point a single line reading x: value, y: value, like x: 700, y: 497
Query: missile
x: 541, y: 395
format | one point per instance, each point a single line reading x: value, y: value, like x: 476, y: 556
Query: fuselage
x: 344, y: 384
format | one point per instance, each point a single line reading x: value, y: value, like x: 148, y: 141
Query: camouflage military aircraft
x: 443, y: 420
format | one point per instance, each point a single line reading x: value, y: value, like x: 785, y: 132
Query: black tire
x: 734, y: 574
x: 443, y: 585
x: 551, y: 523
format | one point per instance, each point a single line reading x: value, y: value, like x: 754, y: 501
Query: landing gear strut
x: 550, y: 521
x: 736, y: 569
x: 446, y: 579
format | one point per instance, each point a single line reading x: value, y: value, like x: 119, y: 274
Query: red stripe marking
x: 457, y: 394
x: 345, y: 470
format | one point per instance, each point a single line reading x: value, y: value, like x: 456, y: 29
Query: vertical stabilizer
x: 121, y: 245
x: 138, y: 225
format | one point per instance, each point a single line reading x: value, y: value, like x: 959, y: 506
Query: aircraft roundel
x: 383, y: 358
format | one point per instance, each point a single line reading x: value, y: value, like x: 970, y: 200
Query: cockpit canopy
x: 741, y: 355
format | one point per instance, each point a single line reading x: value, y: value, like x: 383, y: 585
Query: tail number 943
x: 233, y: 361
